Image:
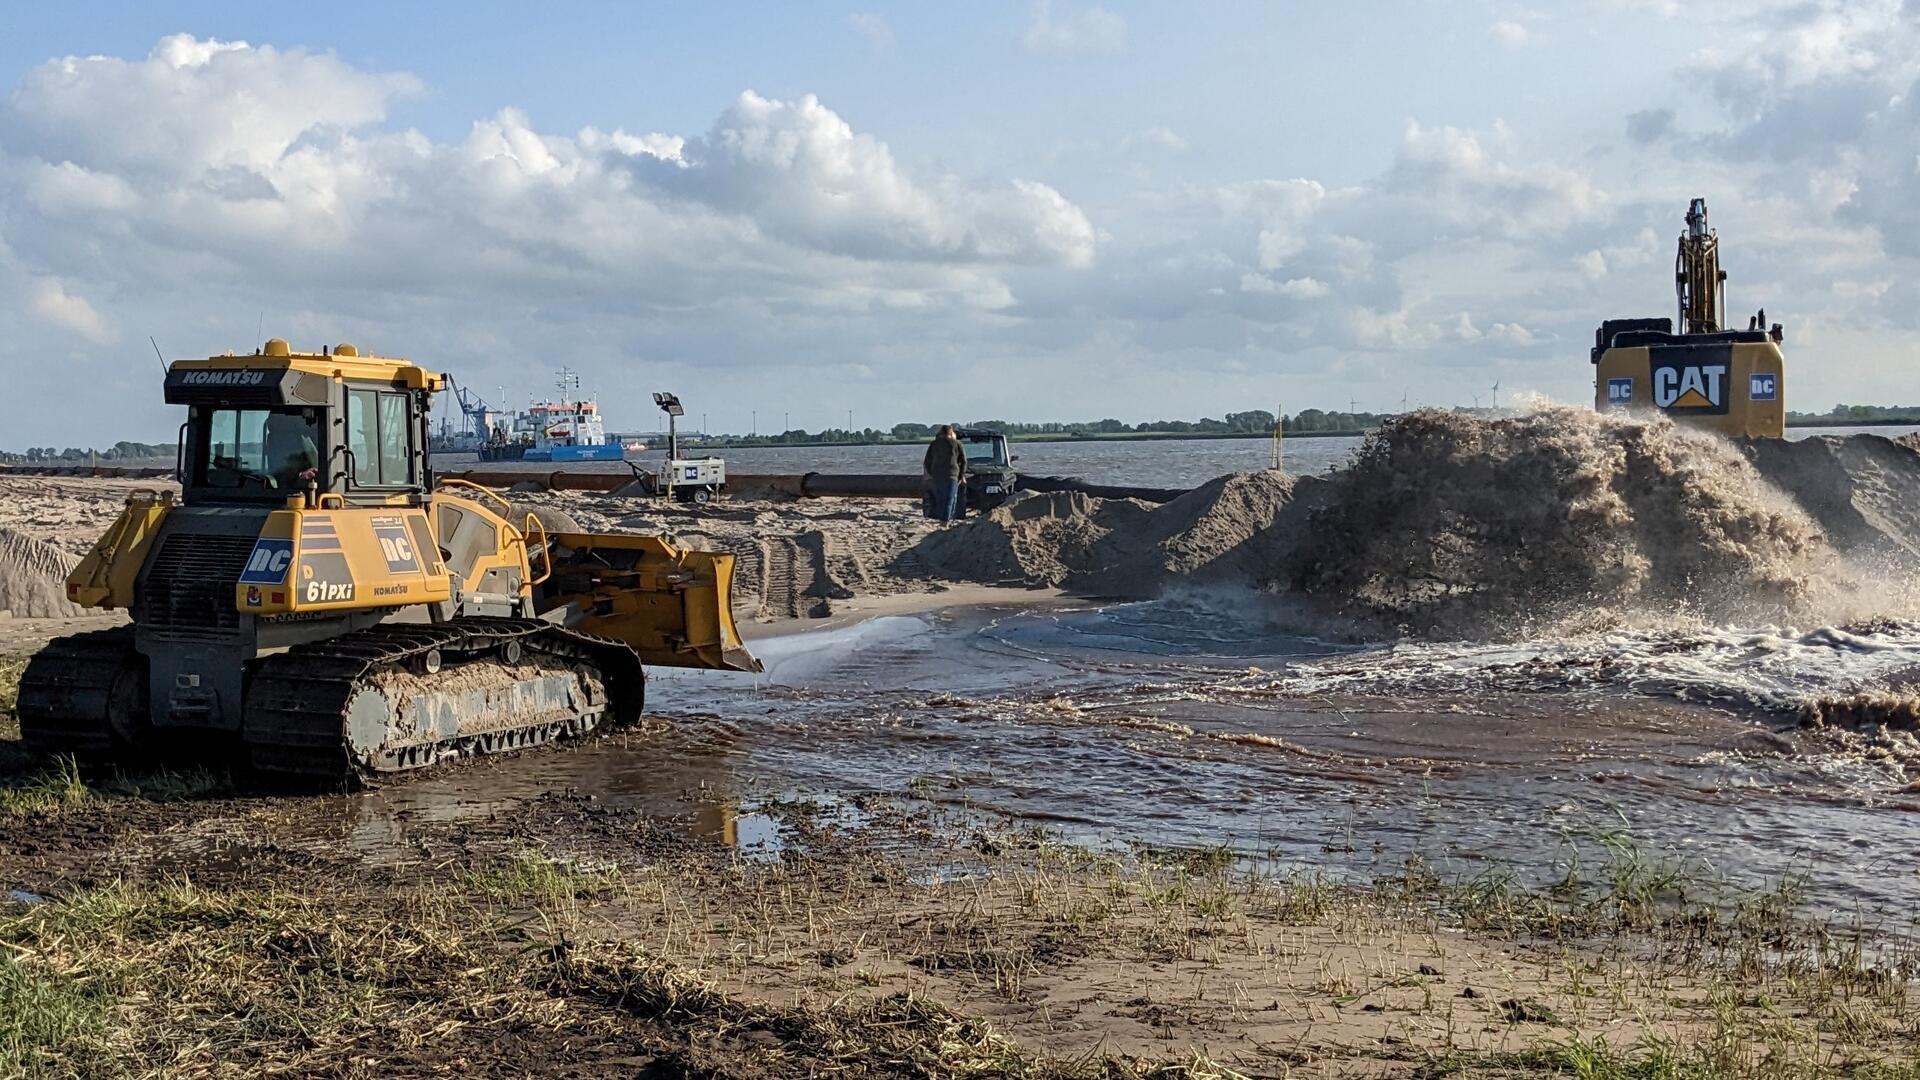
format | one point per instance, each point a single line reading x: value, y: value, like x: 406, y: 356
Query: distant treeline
x: 1860, y: 414
x: 1251, y: 422
x: 120, y: 451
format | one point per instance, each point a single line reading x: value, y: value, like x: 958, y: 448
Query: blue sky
x: 1022, y: 210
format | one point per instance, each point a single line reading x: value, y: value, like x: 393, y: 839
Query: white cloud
x: 1300, y: 288
x: 191, y: 105
x: 244, y: 162
x: 875, y: 28
x: 51, y: 301
x: 1509, y: 34
x: 1514, y: 334
x: 212, y: 178
x: 1153, y: 138
x: 1087, y: 31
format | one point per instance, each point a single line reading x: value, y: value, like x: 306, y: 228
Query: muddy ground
x: 188, y: 920
x: 177, y: 924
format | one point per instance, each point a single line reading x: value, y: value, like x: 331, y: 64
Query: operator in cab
x: 291, y: 451
x: 944, y: 473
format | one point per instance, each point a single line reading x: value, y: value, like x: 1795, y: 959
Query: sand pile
x: 1452, y: 525
x: 1446, y: 525
x: 1223, y: 531
x: 1863, y: 490
x: 794, y: 559
x: 33, y: 578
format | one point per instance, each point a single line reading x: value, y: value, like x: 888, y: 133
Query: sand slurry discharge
x: 1452, y: 526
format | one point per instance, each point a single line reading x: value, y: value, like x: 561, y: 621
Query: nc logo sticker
x: 1619, y: 392
x: 1763, y: 386
x: 268, y: 563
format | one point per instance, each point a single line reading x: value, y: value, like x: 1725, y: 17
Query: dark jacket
x: 946, y: 460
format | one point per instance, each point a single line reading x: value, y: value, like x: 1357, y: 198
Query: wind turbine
x: 1496, y: 394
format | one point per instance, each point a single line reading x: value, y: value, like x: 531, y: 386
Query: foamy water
x: 1777, y: 669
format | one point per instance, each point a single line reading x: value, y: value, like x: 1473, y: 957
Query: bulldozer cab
x: 280, y: 427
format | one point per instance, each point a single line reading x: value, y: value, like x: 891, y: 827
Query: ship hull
x: 602, y: 452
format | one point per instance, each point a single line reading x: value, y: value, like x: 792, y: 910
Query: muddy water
x: 1177, y: 724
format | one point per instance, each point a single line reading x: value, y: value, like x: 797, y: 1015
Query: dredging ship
x: 567, y: 428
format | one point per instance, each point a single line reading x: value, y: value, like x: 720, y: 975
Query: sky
x: 1025, y: 211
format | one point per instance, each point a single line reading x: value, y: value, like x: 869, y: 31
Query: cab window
x: 257, y: 451
x: 380, y: 437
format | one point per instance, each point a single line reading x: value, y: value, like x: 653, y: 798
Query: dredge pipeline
x: 812, y: 485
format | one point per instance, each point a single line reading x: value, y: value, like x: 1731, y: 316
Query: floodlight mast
x: 670, y: 405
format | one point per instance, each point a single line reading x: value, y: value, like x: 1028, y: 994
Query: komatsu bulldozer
x: 314, y: 598
x: 1729, y: 381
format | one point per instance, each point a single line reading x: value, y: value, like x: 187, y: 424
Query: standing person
x: 944, y: 470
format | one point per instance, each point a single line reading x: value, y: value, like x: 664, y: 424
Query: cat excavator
x: 1706, y: 375
x: 315, y: 598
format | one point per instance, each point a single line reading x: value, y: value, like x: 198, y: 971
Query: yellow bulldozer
x: 1706, y: 375
x: 314, y: 596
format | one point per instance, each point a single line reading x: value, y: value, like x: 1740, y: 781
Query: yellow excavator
x: 1706, y: 375
x: 316, y: 598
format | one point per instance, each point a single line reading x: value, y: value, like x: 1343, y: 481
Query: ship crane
x: 474, y: 408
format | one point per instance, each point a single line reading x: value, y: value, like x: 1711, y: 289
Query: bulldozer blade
x: 672, y: 606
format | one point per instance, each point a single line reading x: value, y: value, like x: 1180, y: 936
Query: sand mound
x: 1458, y: 526
x: 33, y: 578
x: 1034, y: 538
x: 1220, y: 532
x: 1863, y: 490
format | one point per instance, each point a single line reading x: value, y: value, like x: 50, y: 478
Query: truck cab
x: 991, y: 477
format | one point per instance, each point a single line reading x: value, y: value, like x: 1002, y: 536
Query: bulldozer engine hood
x: 307, y: 561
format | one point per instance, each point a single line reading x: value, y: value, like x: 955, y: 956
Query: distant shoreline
x: 1062, y: 437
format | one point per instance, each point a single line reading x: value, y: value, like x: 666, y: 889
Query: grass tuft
x: 534, y: 875
x: 53, y: 790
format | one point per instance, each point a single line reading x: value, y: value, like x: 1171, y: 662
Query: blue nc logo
x: 1619, y: 391
x: 268, y: 563
x: 1763, y: 386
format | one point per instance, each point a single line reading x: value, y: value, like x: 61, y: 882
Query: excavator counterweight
x: 1728, y: 381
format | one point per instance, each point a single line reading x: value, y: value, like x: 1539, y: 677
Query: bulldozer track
x: 297, y: 701
x: 68, y: 692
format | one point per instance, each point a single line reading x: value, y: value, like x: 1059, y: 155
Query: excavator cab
x: 1705, y: 375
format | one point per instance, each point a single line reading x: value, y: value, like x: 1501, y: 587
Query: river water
x: 1163, y: 463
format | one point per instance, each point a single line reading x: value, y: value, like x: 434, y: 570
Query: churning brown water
x: 1181, y: 724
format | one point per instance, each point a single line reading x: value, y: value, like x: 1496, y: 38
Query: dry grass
x: 978, y: 955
